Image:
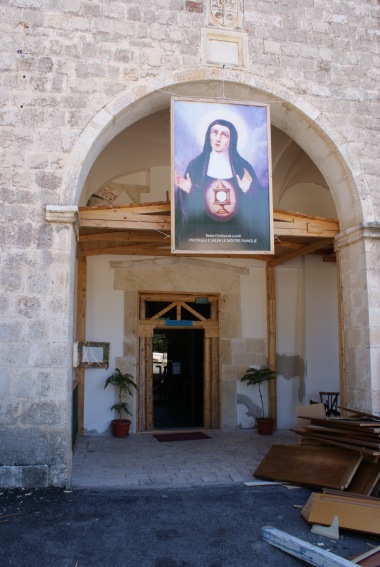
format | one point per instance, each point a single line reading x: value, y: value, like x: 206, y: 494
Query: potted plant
x: 256, y: 377
x: 124, y: 383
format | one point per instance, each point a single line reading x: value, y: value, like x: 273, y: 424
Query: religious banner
x: 221, y: 200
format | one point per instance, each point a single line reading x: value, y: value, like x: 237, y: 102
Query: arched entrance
x: 302, y: 127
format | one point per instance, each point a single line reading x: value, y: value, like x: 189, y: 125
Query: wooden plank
x: 343, y: 435
x: 149, y: 383
x: 207, y: 384
x: 309, y: 553
x: 342, y: 347
x: 138, y: 208
x: 354, y: 425
x: 304, y: 413
x: 271, y: 337
x: 149, y: 224
x: 321, y: 243
x: 303, y: 229
x: 312, y: 466
x: 365, y: 479
x: 141, y: 386
x: 343, y: 445
x: 361, y: 413
x: 81, y: 333
x: 355, y: 513
x: 216, y: 407
x: 370, y: 558
x: 124, y: 236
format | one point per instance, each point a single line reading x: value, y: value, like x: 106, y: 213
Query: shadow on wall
x: 251, y: 411
x: 290, y: 367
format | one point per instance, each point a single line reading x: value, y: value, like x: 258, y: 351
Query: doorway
x: 178, y: 361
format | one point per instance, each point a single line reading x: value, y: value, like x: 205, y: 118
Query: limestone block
x: 226, y: 349
x: 10, y: 477
x: 23, y: 445
x: 35, y: 476
x: 229, y: 405
x: 230, y: 324
x: 4, y: 382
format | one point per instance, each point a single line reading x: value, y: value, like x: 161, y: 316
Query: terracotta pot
x: 120, y: 428
x: 265, y: 425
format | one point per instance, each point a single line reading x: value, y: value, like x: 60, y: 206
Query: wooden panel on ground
x: 365, y: 479
x: 322, y: 467
x: 355, y: 512
x: 369, y: 558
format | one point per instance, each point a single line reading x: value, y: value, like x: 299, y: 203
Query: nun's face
x: 220, y: 138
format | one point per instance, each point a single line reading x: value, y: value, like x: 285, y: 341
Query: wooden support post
x: 207, y: 384
x: 271, y: 334
x: 81, y: 333
x: 342, y: 357
x: 149, y: 382
x: 141, y: 400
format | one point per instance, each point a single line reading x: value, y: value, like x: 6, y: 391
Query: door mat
x: 189, y: 436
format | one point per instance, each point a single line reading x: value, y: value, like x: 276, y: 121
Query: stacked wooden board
x: 335, y: 453
x: 360, y: 434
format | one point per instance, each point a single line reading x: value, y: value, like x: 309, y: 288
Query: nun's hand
x: 244, y: 182
x: 183, y: 183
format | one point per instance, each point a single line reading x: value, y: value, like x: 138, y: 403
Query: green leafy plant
x: 256, y: 377
x: 125, y: 385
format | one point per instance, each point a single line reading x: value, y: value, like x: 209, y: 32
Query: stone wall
x: 71, y: 73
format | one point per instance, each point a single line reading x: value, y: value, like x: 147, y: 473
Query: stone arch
x: 294, y: 115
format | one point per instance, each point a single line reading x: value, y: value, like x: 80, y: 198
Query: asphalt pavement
x: 203, y: 526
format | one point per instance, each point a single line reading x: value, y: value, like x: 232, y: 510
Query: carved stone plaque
x: 225, y: 13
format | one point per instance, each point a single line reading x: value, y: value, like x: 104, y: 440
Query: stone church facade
x: 75, y: 75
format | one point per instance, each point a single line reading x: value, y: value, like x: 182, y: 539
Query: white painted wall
x: 290, y: 338
x: 322, y: 332
x: 307, y: 332
x: 104, y: 322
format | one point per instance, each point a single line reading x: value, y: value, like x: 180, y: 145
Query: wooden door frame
x: 211, y: 364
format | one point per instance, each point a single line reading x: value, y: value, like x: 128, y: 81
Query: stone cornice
x: 357, y: 233
x: 61, y: 213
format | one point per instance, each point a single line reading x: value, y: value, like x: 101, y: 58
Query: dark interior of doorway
x: 178, y: 378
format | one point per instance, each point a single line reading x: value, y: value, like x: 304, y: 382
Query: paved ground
x: 217, y: 526
x: 140, y: 461
x: 136, y: 502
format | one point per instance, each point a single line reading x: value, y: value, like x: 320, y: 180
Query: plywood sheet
x: 326, y: 467
x: 345, y: 444
x: 365, y: 479
x: 304, y: 413
x: 354, y: 513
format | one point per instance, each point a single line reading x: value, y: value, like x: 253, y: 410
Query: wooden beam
x: 81, y: 333
x: 342, y: 353
x: 147, y: 223
x: 271, y: 334
x: 125, y: 236
x: 323, y: 243
x: 138, y: 208
x: 157, y: 215
x: 287, y: 244
x: 136, y: 250
x: 303, y: 550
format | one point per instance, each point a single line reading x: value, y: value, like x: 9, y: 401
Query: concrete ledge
x: 24, y: 476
